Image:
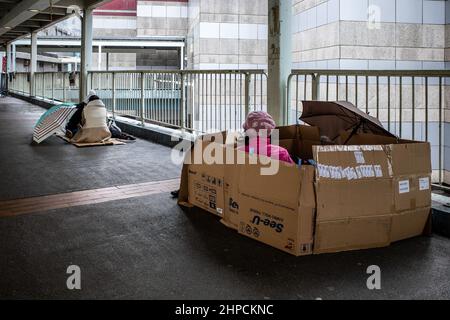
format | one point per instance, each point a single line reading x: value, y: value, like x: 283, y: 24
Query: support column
x: 8, y: 58
x: 99, y: 58
x: 33, y: 64
x: 279, y: 58
x: 13, y: 57
x: 86, y: 51
x: 181, y: 58
x: 8, y: 63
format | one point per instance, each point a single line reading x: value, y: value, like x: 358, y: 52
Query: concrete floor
x: 148, y: 248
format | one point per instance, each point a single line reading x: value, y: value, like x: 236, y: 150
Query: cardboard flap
x: 409, y: 224
x: 412, y: 192
x: 352, y: 234
x: 308, y: 137
x: 352, y: 163
x: 338, y: 200
x: 299, y: 140
x: 287, y: 132
x: 183, y: 195
x: 410, y: 158
x: 307, y: 193
x: 282, y: 188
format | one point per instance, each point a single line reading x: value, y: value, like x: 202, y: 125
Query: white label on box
x: 359, y: 156
x: 324, y: 171
x: 403, y: 187
x: 378, y: 171
x: 424, y: 184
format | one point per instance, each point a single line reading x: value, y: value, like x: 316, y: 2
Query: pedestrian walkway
x: 139, y: 244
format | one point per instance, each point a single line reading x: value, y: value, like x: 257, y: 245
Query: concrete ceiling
x: 20, y: 18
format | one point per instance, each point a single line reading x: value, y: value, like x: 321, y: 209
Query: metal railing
x: 57, y: 86
x: 410, y: 104
x: 54, y: 86
x: 19, y: 83
x: 195, y: 100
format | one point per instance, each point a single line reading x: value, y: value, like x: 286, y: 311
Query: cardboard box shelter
x: 367, y: 194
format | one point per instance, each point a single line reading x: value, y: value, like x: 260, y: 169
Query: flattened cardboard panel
x: 281, y: 189
x: 424, y: 191
x: 308, y: 137
x: 409, y: 224
x: 299, y: 140
x: 287, y: 132
x: 183, y: 195
x: 287, y: 229
x: 351, y: 162
x: 352, y: 234
x: 307, y: 210
x: 411, y: 158
x: 307, y: 192
x: 231, y: 213
x: 268, y: 223
x: 291, y: 146
x: 405, y: 192
x: 412, y: 192
x: 206, y: 188
x: 349, y: 199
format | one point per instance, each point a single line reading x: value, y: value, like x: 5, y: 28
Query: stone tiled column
x: 279, y: 57
x: 33, y: 63
x: 86, y: 51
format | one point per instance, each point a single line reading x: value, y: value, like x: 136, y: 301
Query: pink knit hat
x: 259, y: 120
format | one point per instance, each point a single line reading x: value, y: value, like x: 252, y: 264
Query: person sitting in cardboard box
x: 261, y: 144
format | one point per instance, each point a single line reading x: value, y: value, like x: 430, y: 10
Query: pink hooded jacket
x: 260, y: 147
x: 260, y: 120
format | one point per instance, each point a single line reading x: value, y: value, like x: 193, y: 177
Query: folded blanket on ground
x: 109, y: 142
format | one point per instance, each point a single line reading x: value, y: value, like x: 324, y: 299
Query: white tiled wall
x: 324, y: 13
x: 244, y: 31
x: 411, y: 32
x: 400, y: 11
x: 409, y: 11
x: 228, y: 34
x: 162, y: 11
x: 102, y: 22
x: 386, y: 9
x: 354, y: 10
x: 434, y: 12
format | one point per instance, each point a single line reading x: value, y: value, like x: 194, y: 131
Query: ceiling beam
x: 30, y: 24
x: 55, y: 11
x: 21, y: 29
x: 94, y: 3
x: 40, y: 17
x: 21, y: 12
x: 16, y: 33
x: 7, y: 5
x: 37, y: 14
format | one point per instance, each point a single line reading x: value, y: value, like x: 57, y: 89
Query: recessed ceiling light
x: 33, y: 10
x: 7, y: 27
